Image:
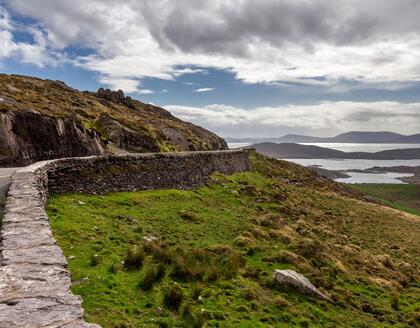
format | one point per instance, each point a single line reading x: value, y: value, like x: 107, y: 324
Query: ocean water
x: 388, y: 177
x: 357, y: 164
x: 354, y: 164
x: 361, y: 164
x: 365, y: 147
x: 346, y: 147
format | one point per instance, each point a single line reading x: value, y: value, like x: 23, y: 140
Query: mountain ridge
x: 347, y: 137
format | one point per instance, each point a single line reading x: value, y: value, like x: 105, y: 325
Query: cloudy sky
x: 239, y: 67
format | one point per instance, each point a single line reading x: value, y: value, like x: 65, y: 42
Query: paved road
x: 5, y: 174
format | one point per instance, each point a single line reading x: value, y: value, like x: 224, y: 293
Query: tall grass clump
x: 173, y: 296
x: 134, y: 258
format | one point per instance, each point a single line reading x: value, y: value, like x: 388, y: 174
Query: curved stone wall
x: 34, y: 280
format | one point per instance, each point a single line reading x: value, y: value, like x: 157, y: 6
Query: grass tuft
x: 173, y: 296
x: 134, y: 258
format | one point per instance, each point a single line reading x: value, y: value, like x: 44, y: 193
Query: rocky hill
x: 45, y: 119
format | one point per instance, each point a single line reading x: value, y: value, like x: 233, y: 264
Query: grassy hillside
x: 205, y: 257
x: 405, y: 197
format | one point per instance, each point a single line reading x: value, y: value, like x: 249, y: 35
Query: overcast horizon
x: 240, y: 68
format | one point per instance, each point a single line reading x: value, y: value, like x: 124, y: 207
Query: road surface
x: 5, y: 174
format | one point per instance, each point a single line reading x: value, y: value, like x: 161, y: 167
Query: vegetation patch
x: 404, y: 197
x: 205, y: 257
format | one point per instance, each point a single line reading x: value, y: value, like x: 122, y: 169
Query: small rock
x: 150, y: 238
x: 291, y: 280
x: 71, y: 257
x: 81, y: 203
x: 158, y: 310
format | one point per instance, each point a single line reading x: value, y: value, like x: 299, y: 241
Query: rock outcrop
x: 291, y: 280
x: 125, y: 138
x: 27, y: 136
x: 117, y: 97
x: 44, y: 119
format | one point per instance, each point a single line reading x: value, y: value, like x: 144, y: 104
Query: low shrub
x: 250, y: 294
x: 189, y: 216
x: 195, y: 319
x: 309, y: 248
x: 173, y: 296
x: 244, y: 242
x: 196, y: 291
x: 199, y: 264
x: 94, y: 260
x: 281, y: 302
x: 285, y: 257
x: 159, y: 251
x: 134, y: 258
x: 114, y: 267
x: 152, y: 275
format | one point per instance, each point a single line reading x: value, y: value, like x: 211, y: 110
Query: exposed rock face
x: 28, y: 136
x: 44, y: 119
x: 291, y: 280
x: 126, y: 138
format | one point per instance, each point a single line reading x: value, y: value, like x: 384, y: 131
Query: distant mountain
x: 414, y: 138
x: 367, y: 137
x: 348, y: 137
x: 291, y: 150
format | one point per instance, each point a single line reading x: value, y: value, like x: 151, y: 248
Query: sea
x: 357, y: 164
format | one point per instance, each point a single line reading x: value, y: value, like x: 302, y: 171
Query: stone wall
x: 34, y: 280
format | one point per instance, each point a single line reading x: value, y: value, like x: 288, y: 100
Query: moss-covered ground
x: 205, y: 257
x: 405, y: 197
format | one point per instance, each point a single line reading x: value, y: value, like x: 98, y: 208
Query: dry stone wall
x: 34, y: 280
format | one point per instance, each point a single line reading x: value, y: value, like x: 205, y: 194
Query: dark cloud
x: 371, y: 41
x: 232, y: 26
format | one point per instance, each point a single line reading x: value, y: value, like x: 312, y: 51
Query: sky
x: 241, y: 68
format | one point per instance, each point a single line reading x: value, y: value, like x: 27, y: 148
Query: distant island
x: 294, y: 151
x: 348, y: 137
x: 415, y: 170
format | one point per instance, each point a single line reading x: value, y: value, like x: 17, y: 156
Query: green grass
x: 404, y: 197
x: 217, y: 247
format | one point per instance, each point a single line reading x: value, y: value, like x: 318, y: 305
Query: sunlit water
x: 364, y: 147
x: 357, y: 164
x: 346, y: 147
x: 388, y: 177
x: 361, y: 164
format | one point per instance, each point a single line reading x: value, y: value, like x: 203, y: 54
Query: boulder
x: 291, y: 280
x: 117, y: 97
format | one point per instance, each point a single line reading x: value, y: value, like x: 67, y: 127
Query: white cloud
x: 5, y: 22
x: 36, y: 53
x: 309, y: 42
x: 127, y: 85
x: 204, y: 89
x: 325, y: 118
x: 145, y: 91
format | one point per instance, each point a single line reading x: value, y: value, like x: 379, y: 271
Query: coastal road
x: 5, y: 174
